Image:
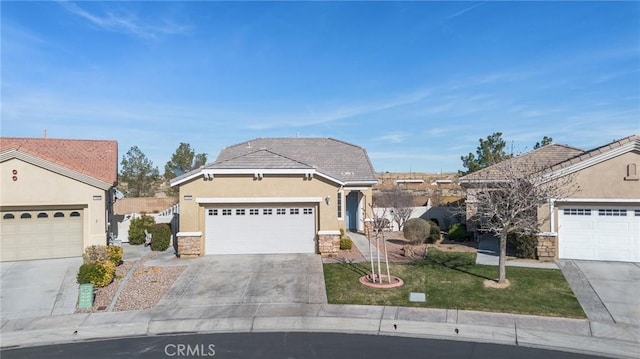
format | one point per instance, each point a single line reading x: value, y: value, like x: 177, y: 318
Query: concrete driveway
x: 38, y: 288
x: 248, y: 279
x: 607, y: 291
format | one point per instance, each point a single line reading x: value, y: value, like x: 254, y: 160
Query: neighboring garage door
x: 260, y: 229
x: 45, y: 234
x: 599, y: 233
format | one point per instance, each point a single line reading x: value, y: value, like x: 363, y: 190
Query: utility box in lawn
x: 85, y: 296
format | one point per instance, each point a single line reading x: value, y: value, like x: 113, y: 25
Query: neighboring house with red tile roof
x: 275, y: 195
x: 56, y: 196
x: 601, y: 220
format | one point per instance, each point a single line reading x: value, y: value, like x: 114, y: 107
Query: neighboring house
x: 275, y: 195
x: 162, y: 209
x: 55, y: 196
x: 601, y: 220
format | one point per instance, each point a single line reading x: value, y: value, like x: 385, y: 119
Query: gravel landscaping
x: 142, y: 288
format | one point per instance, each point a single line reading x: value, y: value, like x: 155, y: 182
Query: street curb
x: 376, y: 320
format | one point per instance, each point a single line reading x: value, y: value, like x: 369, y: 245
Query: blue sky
x: 415, y: 83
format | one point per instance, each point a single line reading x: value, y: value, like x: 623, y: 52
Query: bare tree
x: 399, y: 204
x: 374, y: 230
x: 509, y: 195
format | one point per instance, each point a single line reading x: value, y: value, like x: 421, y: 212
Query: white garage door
x: 599, y: 233
x: 41, y: 234
x: 260, y: 229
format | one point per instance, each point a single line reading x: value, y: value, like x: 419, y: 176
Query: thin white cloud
x: 392, y: 137
x: 465, y: 10
x: 126, y: 22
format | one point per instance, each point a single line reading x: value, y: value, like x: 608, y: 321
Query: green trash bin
x: 85, y: 296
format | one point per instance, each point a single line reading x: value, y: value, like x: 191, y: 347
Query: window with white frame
x: 226, y: 212
x: 339, y: 204
x: 240, y: 212
x: 254, y: 212
x: 612, y: 212
x: 294, y: 211
x: 281, y: 211
x: 310, y: 211
x: 213, y: 212
x: 267, y: 211
x: 576, y: 212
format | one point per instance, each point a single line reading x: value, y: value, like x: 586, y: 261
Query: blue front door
x: 352, y: 211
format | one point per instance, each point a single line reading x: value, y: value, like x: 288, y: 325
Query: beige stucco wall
x: 38, y: 187
x: 245, y: 186
x: 605, y: 180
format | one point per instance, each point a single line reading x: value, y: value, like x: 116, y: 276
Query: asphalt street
x: 284, y: 345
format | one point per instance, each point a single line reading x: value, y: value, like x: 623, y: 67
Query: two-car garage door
x: 260, y: 229
x: 40, y: 234
x: 599, y: 233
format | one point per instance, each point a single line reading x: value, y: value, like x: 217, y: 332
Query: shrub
x: 416, y: 230
x: 100, y: 274
x: 458, y: 232
x: 115, y: 254
x: 136, y: 230
x: 346, y: 243
x: 434, y: 232
x: 102, y: 253
x: 160, y: 237
x: 95, y: 254
x: 524, y: 244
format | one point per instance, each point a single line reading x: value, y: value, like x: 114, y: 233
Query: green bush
x: 100, y: 274
x: 115, y: 254
x: 524, y: 244
x: 458, y: 232
x: 160, y: 237
x: 416, y: 230
x: 346, y: 243
x: 136, y: 230
x: 434, y: 232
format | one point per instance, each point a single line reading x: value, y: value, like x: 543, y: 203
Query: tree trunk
x: 502, y: 275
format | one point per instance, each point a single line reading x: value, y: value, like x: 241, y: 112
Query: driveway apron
x: 607, y: 291
x: 38, y: 288
x: 248, y: 279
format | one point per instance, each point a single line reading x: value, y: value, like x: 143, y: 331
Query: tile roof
x: 95, y: 158
x: 536, y: 160
x: 551, y: 157
x: 148, y: 205
x: 337, y: 159
x: 596, y: 151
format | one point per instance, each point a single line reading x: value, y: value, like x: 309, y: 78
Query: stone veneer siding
x: 189, y: 246
x: 328, y: 244
x: 547, y: 249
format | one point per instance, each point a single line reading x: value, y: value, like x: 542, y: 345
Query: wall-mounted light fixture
x: 327, y: 200
x: 207, y: 176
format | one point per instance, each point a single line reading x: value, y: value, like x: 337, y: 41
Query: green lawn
x: 452, y: 280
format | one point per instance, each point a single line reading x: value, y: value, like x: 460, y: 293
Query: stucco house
x: 601, y: 219
x: 275, y: 195
x: 55, y: 196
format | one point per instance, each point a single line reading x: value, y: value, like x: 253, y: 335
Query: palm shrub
x: 137, y: 227
x: 160, y: 237
x: 416, y: 230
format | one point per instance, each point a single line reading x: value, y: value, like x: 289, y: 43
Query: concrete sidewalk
x: 573, y: 335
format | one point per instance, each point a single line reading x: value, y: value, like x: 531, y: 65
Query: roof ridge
x: 261, y: 150
x: 56, y: 139
x: 588, y: 153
